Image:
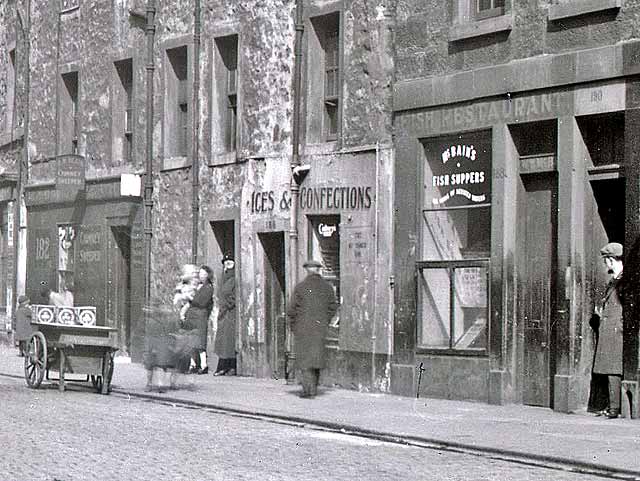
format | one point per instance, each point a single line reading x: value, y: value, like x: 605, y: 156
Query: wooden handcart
x: 70, y: 349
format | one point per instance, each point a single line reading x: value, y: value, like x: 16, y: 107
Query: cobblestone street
x: 80, y: 435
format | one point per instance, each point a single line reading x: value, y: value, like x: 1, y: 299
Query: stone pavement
x: 540, y: 434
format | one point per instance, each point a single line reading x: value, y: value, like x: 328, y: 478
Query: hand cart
x: 73, y: 349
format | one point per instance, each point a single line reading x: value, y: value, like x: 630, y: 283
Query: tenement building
x: 164, y: 133
x: 456, y: 166
x: 516, y: 160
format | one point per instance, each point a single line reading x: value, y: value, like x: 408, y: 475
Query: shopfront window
x: 324, y: 246
x: 66, y: 257
x: 455, y: 243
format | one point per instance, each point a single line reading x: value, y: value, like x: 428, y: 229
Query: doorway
x: 273, y: 244
x: 538, y: 214
x: 118, y: 285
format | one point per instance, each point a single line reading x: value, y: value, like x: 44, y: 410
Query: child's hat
x: 23, y: 299
x: 188, y: 271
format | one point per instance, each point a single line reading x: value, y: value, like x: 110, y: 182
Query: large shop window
x: 455, y: 243
x: 324, y: 246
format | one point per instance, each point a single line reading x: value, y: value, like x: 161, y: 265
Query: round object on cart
x: 66, y: 315
x: 87, y: 317
x: 46, y: 315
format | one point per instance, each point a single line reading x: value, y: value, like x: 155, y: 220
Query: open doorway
x: 118, y: 285
x: 273, y: 244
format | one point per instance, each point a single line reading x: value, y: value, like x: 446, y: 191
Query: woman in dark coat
x: 197, y: 317
x: 225, y: 346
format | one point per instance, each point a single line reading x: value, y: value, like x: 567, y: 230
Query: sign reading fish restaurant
x: 457, y: 172
x: 70, y: 172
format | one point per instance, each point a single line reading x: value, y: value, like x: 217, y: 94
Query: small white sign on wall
x: 130, y: 185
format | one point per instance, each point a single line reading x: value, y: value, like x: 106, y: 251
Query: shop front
x: 89, y: 242
x: 515, y: 195
x: 343, y: 221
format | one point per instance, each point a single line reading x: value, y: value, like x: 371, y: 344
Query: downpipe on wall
x: 195, y: 160
x: 289, y: 355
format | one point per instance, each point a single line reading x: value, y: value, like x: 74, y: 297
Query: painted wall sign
x: 94, y: 191
x: 70, y: 172
x: 316, y: 198
x: 458, y: 171
x: 601, y: 98
x: 537, y: 163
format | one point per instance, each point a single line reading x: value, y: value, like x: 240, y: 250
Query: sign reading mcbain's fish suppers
x: 458, y: 171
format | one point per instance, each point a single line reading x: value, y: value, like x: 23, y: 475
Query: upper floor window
x: 8, y: 121
x: 324, y: 79
x: 226, y: 76
x: 66, y: 5
x: 488, y: 8
x: 69, y: 110
x: 331, y: 81
x: 177, y: 108
x: 122, y: 115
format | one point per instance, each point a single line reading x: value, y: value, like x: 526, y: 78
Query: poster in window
x: 457, y: 171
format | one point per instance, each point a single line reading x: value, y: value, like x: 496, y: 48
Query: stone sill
x: 478, y: 28
x: 174, y: 163
x: 223, y: 158
x: 575, y: 8
x: 6, y: 137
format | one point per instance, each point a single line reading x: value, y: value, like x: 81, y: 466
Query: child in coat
x: 23, y: 324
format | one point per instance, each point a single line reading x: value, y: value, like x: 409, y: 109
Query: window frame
x: 171, y: 101
x: 321, y: 108
x: 225, y: 102
x: 468, y: 136
x: 494, y: 11
x: 70, y: 110
x: 451, y: 266
x: 123, y: 110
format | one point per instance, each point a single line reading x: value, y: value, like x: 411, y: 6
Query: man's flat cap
x: 612, y: 249
x: 311, y: 263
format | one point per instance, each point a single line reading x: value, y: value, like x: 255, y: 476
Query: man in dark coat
x: 312, y: 307
x: 607, y: 320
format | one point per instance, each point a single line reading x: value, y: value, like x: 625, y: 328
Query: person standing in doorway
x: 313, y: 305
x: 607, y: 320
x: 225, y: 345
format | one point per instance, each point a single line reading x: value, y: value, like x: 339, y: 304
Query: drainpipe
x: 294, y: 185
x: 195, y: 202
x: 23, y: 163
x: 150, y: 31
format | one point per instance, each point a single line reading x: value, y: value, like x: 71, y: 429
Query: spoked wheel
x: 97, y: 382
x: 35, y: 361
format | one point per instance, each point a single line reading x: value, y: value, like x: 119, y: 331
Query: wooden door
x: 539, y: 216
x: 118, y: 285
x: 275, y: 310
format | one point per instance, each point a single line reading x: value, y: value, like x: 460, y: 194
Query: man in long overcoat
x: 608, y: 322
x: 313, y: 305
x: 225, y: 345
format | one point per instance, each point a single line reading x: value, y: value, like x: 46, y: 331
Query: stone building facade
x: 223, y: 105
x: 518, y: 119
x: 460, y: 164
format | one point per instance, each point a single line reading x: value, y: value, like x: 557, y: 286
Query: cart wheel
x: 107, y: 373
x: 96, y: 381
x: 35, y: 362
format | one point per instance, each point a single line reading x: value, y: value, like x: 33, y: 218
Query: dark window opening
x: 227, y: 48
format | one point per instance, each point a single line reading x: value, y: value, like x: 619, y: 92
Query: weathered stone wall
x: 91, y: 39
x: 423, y: 48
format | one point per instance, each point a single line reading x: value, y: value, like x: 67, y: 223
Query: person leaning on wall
x: 607, y: 320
